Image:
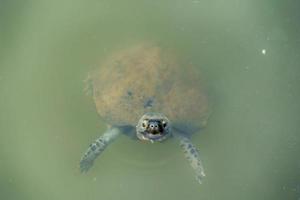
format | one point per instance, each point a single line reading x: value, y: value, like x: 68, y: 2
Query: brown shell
x: 143, y: 79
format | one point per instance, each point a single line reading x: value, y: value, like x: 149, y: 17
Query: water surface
x: 248, y: 52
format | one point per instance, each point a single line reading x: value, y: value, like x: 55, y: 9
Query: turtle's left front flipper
x: 97, y: 147
x: 192, y: 155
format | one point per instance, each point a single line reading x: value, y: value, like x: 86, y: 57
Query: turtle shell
x: 146, y: 78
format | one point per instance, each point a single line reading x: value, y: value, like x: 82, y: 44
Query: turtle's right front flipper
x: 97, y: 147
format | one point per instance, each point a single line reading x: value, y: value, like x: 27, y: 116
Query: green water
x: 248, y: 52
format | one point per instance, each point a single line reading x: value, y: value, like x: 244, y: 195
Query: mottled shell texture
x: 146, y: 78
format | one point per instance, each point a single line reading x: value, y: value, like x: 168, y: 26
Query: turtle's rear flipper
x: 192, y: 155
x: 97, y: 147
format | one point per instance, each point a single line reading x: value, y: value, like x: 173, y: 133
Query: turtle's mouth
x: 153, y: 127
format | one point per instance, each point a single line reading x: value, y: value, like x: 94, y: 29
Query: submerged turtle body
x: 146, y: 88
x: 146, y: 79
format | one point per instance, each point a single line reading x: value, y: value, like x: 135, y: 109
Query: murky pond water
x: 248, y: 52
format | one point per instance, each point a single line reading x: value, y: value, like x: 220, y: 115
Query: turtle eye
x: 164, y: 123
x: 144, y: 124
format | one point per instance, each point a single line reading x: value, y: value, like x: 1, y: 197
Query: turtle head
x: 153, y: 127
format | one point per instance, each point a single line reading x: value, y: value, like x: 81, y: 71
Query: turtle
x: 148, y: 94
